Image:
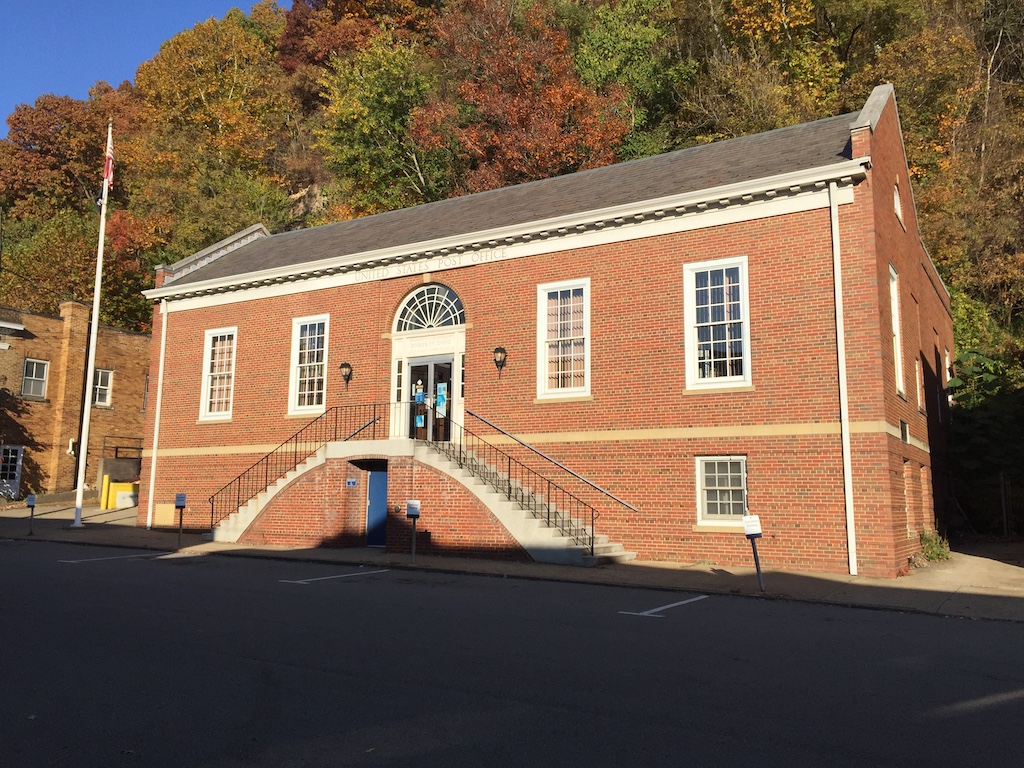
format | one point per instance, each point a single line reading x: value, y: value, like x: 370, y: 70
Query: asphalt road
x: 110, y: 657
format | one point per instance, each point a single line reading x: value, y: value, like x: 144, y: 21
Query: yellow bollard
x: 104, y: 491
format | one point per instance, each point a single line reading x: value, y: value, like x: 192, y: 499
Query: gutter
x: 156, y: 421
x: 844, y: 395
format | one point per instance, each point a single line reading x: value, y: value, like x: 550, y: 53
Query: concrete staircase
x: 544, y: 543
x: 231, y: 528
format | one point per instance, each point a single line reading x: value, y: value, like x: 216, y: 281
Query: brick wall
x: 46, y: 426
x: 637, y: 383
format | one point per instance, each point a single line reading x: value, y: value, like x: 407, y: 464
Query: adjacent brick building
x: 42, y: 383
x: 650, y: 350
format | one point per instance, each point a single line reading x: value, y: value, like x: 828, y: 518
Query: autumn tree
x: 214, y: 118
x: 510, y: 107
x: 49, y: 160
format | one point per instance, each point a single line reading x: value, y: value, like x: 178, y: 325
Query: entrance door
x: 430, y: 391
x: 10, y: 470
x: 376, y: 509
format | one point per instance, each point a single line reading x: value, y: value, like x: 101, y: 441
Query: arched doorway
x: 428, y: 350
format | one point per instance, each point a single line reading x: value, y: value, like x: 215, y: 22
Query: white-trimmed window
x: 33, y: 379
x: 218, y: 374
x: 717, y: 334
x: 897, y: 203
x: 721, y: 489
x: 102, y: 382
x: 308, y: 386
x: 897, y: 341
x: 563, y: 332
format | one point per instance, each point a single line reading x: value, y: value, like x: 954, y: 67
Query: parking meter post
x: 180, y: 502
x: 412, y: 511
x: 752, y: 529
x: 30, y: 502
x: 757, y: 563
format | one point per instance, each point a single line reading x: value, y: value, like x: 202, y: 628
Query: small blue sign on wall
x: 179, y: 500
x: 350, y: 483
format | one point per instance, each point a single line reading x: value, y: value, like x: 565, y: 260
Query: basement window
x: 721, y: 489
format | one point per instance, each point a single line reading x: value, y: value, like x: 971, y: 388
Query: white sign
x: 751, y: 525
x: 412, y: 508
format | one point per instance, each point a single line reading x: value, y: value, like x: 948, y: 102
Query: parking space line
x: 653, y: 612
x: 325, y: 578
x: 119, y: 557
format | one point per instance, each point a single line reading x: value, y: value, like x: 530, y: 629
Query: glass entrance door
x: 430, y: 392
x: 10, y: 470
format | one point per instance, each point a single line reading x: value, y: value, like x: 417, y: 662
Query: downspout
x: 844, y: 396
x: 156, y: 421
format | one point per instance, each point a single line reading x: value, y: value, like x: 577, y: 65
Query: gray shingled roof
x: 799, y: 147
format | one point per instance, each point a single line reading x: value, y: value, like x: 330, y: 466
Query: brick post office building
x: 617, y: 362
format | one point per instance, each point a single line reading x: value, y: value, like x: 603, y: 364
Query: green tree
x: 370, y: 102
x: 628, y: 44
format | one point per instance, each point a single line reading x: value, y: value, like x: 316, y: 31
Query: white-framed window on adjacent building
x: 33, y: 378
x: 721, y: 489
x: 897, y: 340
x: 218, y: 374
x: 102, y: 385
x: 308, y: 385
x: 717, y: 333
x: 563, y: 332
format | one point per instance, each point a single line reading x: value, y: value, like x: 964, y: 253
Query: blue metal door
x: 376, y: 509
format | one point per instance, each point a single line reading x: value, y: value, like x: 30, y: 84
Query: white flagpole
x: 83, y: 446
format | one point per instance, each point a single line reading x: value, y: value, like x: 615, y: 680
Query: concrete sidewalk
x: 968, y: 585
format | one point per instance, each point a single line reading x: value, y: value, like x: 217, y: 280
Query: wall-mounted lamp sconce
x: 499, y: 359
x: 346, y: 373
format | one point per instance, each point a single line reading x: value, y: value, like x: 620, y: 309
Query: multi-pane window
x: 722, y: 488
x: 33, y: 380
x: 563, y: 329
x: 102, y: 380
x: 897, y: 341
x: 218, y: 373
x: 717, y: 344
x: 309, y: 364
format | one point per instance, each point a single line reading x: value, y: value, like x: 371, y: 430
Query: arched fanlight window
x: 432, y: 306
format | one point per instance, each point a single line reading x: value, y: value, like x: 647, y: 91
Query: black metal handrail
x: 337, y: 424
x: 532, y: 491
x: 553, y: 462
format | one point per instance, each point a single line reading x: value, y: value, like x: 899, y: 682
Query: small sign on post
x: 30, y: 502
x: 412, y: 511
x: 179, y: 505
x: 752, y: 530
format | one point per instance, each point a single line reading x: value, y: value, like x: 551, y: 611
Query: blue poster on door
x: 442, y: 399
x: 419, y: 420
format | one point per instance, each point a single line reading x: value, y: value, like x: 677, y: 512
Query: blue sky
x: 65, y: 46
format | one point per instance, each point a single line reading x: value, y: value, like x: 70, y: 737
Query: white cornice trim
x: 658, y: 210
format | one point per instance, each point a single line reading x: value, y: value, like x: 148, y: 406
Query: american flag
x: 108, y: 162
